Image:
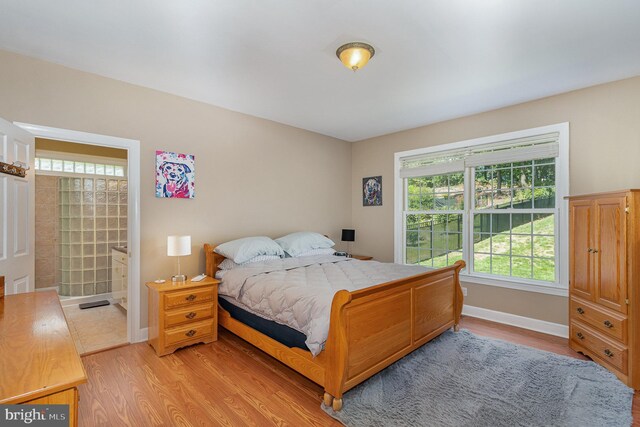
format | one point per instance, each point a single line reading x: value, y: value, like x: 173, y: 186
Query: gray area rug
x: 460, y: 379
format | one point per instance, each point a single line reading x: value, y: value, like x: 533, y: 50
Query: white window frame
x: 560, y: 286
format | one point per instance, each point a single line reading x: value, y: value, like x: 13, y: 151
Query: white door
x: 17, y: 212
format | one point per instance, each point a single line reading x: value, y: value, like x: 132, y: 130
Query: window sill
x: 529, y: 287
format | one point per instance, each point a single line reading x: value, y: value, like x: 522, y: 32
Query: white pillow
x: 242, y: 250
x: 296, y: 243
x: 228, y: 264
x: 327, y: 251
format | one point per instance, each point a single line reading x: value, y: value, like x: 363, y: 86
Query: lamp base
x: 179, y: 278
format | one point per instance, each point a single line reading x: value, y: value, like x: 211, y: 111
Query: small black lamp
x: 348, y: 235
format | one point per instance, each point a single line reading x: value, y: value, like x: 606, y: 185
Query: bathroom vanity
x: 119, y: 275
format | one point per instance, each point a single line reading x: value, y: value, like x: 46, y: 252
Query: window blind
x: 436, y: 168
x: 515, y: 150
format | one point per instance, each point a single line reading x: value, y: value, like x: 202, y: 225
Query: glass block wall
x: 93, y: 218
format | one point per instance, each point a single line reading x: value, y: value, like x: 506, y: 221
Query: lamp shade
x: 178, y: 245
x: 348, y: 235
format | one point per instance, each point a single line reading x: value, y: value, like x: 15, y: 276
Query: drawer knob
x: 190, y: 333
x: 608, y: 353
x: 580, y: 310
x: 191, y: 297
x: 608, y: 324
x: 190, y: 315
x: 580, y: 336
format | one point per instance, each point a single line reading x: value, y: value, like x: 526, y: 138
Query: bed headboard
x: 213, y: 260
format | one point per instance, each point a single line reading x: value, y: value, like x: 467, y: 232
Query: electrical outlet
x: 464, y: 291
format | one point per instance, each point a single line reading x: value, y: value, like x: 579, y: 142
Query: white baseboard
x: 514, y: 320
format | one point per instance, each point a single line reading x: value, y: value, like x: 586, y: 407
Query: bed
x: 369, y: 329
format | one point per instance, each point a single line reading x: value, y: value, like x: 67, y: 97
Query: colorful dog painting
x: 372, y: 191
x: 175, y: 175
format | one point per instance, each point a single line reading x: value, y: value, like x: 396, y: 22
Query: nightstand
x: 182, y: 314
x: 362, y: 257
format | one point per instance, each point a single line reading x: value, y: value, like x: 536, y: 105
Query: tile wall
x: 93, y: 219
x: 47, y: 225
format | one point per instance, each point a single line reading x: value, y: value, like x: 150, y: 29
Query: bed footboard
x: 372, y: 328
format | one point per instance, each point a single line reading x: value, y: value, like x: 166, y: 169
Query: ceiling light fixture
x: 355, y: 55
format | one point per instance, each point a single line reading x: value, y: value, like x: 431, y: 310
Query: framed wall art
x: 175, y: 175
x: 372, y: 191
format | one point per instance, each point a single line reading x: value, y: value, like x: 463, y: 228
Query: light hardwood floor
x: 228, y: 383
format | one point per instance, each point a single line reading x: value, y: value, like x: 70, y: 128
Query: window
x: 46, y: 164
x: 514, y: 220
x: 495, y: 203
x: 434, y: 215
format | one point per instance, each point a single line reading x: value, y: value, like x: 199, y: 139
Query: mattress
x: 281, y: 333
x: 298, y: 292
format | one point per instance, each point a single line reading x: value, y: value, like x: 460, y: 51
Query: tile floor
x: 97, y: 328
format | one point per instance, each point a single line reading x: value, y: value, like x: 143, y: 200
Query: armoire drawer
x: 614, y: 354
x: 606, y: 321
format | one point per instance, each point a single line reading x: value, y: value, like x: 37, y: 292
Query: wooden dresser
x: 39, y: 363
x: 182, y: 314
x: 604, y: 281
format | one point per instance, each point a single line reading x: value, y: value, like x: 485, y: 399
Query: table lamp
x: 348, y: 235
x: 178, y: 246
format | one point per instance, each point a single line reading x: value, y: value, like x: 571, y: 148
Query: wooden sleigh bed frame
x: 369, y: 328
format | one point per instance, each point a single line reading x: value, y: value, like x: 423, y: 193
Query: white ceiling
x: 435, y: 59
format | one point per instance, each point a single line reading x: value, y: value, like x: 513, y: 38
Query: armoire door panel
x: 610, y: 268
x: 580, y: 254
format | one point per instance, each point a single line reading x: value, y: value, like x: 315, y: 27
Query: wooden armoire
x: 604, y: 281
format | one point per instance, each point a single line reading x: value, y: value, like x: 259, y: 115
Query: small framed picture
x: 372, y: 191
x: 175, y: 175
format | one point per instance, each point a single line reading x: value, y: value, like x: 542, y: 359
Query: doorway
x: 81, y: 196
x: 126, y: 293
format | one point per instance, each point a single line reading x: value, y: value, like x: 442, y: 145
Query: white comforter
x: 298, y: 292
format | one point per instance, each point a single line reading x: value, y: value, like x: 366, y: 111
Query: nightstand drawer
x: 614, y: 354
x: 189, y: 332
x: 190, y: 296
x: 193, y: 313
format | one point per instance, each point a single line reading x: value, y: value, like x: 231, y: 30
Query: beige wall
x: 604, y: 152
x: 253, y: 176
x: 70, y: 147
